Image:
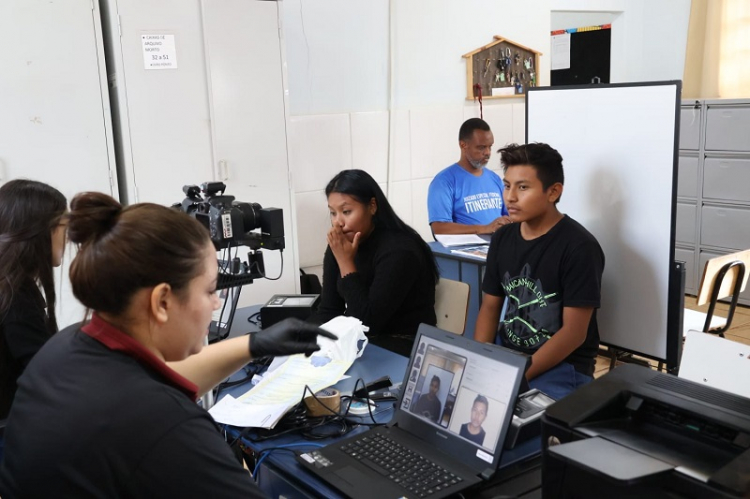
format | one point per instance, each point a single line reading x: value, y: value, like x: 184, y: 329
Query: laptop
x: 451, y: 419
x: 221, y: 319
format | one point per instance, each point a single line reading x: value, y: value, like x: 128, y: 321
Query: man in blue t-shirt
x: 466, y: 198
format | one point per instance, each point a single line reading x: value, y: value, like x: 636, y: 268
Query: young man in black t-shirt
x: 544, y: 274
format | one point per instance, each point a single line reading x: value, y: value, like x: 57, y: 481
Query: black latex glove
x: 287, y: 337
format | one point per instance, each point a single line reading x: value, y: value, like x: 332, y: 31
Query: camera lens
x: 250, y: 215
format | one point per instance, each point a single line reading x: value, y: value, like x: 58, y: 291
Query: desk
x: 465, y: 269
x: 281, y: 475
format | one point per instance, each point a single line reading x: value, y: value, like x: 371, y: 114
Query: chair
x: 451, y: 305
x: 712, y: 288
x: 713, y: 283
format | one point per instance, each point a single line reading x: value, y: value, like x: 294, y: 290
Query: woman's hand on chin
x: 343, y: 250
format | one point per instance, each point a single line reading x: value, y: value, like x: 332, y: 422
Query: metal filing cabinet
x: 688, y: 191
x: 713, y: 184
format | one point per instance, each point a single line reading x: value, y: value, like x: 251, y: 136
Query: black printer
x: 636, y: 432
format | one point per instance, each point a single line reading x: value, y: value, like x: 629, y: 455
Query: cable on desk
x: 298, y: 415
x: 290, y: 422
x: 367, y: 399
x: 350, y: 399
x: 296, y: 419
x: 251, y: 369
x: 287, y: 447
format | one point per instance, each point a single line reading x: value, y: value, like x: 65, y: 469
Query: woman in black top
x: 32, y: 239
x: 108, y: 409
x: 376, y: 268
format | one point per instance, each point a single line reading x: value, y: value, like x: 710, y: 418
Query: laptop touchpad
x: 351, y: 476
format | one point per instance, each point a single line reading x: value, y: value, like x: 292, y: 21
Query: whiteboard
x: 619, y: 149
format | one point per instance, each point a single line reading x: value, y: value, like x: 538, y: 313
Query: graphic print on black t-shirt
x: 532, y: 315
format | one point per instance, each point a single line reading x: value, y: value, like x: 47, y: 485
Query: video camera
x: 233, y: 223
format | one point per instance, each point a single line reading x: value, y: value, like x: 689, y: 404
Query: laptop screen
x: 221, y: 318
x: 461, y: 391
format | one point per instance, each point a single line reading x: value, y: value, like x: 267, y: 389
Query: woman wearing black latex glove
x: 287, y: 337
x: 149, y: 274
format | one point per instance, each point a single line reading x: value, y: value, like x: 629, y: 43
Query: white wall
x: 163, y: 115
x: 224, y: 104
x: 343, y: 46
x: 372, y: 84
x: 649, y: 38
x: 55, y: 124
x: 339, y: 53
x: 430, y: 36
x: 572, y: 19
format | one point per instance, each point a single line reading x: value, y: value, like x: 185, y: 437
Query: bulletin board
x: 619, y: 145
x: 589, y: 56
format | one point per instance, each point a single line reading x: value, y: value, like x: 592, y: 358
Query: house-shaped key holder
x: 501, y: 69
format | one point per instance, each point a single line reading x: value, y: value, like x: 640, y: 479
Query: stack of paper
x: 280, y: 390
x: 449, y: 240
x: 473, y: 251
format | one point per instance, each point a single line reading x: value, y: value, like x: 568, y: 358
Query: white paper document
x: 235, y: 412
x: 449, y: 240
x: 561, y: 51
x: 268, y: 401
x: 159, y: 51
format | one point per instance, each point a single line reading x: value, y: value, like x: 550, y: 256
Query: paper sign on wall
x: 561, y: 51
x: 159, y: 52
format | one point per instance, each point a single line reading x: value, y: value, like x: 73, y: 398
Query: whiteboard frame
x: 650, y: 326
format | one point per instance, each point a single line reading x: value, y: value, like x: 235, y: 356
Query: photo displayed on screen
x: 464, y: 392
x: 435, y: 386
x: 220, y: 316
x: 433, y: 393
x: 478, y: 418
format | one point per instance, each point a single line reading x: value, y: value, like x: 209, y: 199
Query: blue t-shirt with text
x: 457, y: 196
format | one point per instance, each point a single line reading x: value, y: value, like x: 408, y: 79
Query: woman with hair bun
x: 108, y: 409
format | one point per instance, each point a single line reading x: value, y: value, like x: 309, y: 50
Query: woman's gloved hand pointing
x: 288, y: 337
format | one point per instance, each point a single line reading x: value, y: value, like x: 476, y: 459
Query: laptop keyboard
x: 411, y: 470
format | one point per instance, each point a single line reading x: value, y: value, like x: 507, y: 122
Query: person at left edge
x: 99, y: 412
x: 33, y: 221
x: 376, y: 268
